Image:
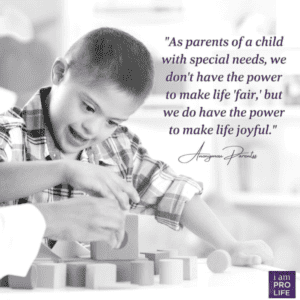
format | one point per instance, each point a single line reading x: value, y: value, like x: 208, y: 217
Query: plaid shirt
x: 24, y: 136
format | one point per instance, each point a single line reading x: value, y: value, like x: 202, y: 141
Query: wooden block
x: 171, y: 271
x: 66, y: 249
x: 172, y: 252
x: 76, y: 273
x: 156, y: 257
x: 129, y: 249
x: 4, y: 281
x: 27, y: 282
x: 218, y: 261
x: 46, y: 254
x: 51, y: 275
x: 123, y: 268
x: 190, y: 266
x: 142, y: 272
x: 100, y: 275
x: 79, y: 260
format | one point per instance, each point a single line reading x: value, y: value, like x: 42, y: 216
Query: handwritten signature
x: 234, y: 152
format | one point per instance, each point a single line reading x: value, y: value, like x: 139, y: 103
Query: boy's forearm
x: 200, y: 219
x: 21, y: 179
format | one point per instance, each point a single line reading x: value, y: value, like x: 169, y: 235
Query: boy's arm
x: 199, y: 219
x: 21, y: 179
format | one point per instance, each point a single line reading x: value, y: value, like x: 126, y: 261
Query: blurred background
x: 255, y: 199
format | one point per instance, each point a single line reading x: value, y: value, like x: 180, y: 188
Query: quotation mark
x: 167, y: 38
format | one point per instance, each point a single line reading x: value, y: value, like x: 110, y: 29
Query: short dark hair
x: 115, y: 57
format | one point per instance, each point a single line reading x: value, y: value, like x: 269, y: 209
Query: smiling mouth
x: 77, y: 136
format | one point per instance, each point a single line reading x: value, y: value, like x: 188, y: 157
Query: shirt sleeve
x: 21, y: 231
x: 162, y: 192
x: 5, y: 142
x: 11, y: 136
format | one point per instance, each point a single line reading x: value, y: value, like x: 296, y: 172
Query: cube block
x: 100, y: 275
x: 51, y: 275
x: 129, y: 249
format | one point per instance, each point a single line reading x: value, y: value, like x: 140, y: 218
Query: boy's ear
x: 59, y: 69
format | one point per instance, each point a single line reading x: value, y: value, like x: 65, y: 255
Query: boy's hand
x: 84, y: 219
x: 100, y: 181
x: 251, y: 253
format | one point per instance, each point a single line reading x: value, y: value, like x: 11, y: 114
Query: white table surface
x: 234, y: 283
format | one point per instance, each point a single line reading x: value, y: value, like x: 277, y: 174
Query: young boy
x: 68, y: 142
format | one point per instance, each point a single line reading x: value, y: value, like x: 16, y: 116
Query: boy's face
x: 82, y: 116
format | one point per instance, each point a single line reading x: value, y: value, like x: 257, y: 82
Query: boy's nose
x: 92, y: 128
x: 95, y: 129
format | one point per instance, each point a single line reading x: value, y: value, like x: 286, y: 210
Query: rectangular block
x: 51, y: 275
x: 190, y: 268
x: 129, y: 249
x: 100, y: 275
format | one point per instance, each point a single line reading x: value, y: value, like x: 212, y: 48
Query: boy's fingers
x: 113, y: 241
x: 119, y: 236
x: 269, y: 261
x: 108, y: 194
x: 243, y: 259
x: 131, y: 192
x: 122, y: 198
x: 255, y: 260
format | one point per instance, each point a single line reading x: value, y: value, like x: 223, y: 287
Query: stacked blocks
x: 27, y: 282
x: 100, y: 275
x: 156, y: 257
x: 68, y: 265
x: 142, y: 272
x: 218, y: 261
x: 129, y: 249
x: 171, y: 271
x: 51, y: 275
x: 122, y: 257
x: 190, y: 267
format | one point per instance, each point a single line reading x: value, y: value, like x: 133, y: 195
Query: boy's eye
x: 88, y: 107
x: 112, y: 123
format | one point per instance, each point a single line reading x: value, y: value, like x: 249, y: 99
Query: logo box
x: 282, y: 284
